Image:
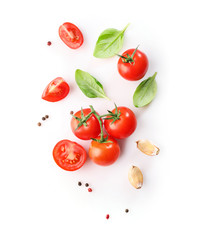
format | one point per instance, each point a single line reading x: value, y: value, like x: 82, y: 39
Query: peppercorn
x: 39, y: 124
x: 107, y: 216
x: 90, y: 189
x: 43, y: 118
x: 79, y: 183
x: 71, y: 112
x: 49, y: 43
x: 86, y: 184
x: 126, y: 210
x: 46, y: 116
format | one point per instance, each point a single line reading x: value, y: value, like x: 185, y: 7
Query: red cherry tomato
x: 104, y: 154
x: 71, y: 35
x: 133, y: 70
x: 123, y: 127
x: 56, y: 90
x: 92, y: 130
x: 69, y: 155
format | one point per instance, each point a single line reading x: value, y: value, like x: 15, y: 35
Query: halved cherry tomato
x: 124, y: 126
x: 69, y: 155
x: 71, y: 35
x: 104, y: 154
x: 56, y: 90
x: 134, y: 68
x: 92, y: 130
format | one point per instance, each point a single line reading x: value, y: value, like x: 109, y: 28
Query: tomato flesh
x: 104, y: 154
x: 71, y: 35
x: 135, y: 70
x: 92, y: 130
x: 56, y: 90
x: 69, y: 155
x: 123, y: 127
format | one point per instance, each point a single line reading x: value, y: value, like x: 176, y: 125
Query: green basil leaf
x: 109, y: 43
x: 89, y: 85
x: 145, y: 92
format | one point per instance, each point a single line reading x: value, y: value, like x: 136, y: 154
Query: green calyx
x: 82, y: 121
x: 128, y: 58
x: 114, y: 116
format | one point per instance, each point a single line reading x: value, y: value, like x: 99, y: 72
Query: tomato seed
x: 49, y: 43
x: 43, y: 118
x: 39, y: 124
x: 90, y: 189
x: 86, y: 184
x: 79, y: 183
x: 107, y: 216
x: 126, y: 210
x: 46, y: 116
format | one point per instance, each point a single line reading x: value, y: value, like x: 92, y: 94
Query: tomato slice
x: 71, y: 35
x: 56, y: 90
x: 69, y: 155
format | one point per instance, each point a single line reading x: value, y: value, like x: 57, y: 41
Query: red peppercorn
x: 49, y: 43
x: 90, y: 189
x: 107, y: 216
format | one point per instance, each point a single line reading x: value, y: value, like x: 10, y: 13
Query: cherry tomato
x: 69, y: 155
x: 135, y: 68
x: 71, y: 35
x: 104, y: 154
x: 123, y: 127
x: 92, y: 130
x: 56, y: 90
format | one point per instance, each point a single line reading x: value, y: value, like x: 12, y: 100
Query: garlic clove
x: 147, y: 147
x: 135, y: 177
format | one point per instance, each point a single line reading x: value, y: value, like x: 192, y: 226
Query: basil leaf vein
x: 145, y: 92
x: 90, y: 86
x: 109, y: 43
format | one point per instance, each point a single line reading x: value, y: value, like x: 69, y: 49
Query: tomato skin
x: 71, y: 35
x: 66, y: 151
x: 92, y: 130
x: 56, y: 90
x: 104, y: 154
x: 136, y: 70
x: 123, y: 127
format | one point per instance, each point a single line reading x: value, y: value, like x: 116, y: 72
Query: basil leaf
x: 89, y: 85
x: 109, y: 43
x: 145, y: 92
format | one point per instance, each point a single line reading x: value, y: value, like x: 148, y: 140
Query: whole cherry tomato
x: 133, y: 65
x: 56, y: 90
x: 106, y: 153
x: 71, y: 35
x: 124, y: 126
x: 91, y: 128
x: 69, y: 155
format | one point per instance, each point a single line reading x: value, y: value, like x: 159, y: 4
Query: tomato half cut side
x: 56, y: 90
x: 71, y: 35
x: 69, y: 155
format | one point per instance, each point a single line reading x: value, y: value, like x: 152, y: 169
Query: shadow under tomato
x: 122, y: 144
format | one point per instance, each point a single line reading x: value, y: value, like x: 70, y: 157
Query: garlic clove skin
x: 135, y: 177
x: 147, y: 147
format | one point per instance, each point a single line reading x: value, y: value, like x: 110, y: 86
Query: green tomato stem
x: 100, y: 123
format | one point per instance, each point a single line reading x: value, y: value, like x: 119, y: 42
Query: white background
x: 41, y: 201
